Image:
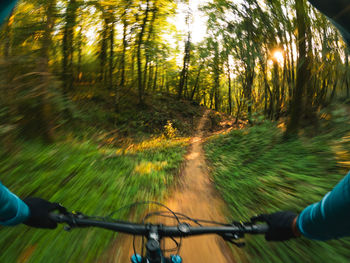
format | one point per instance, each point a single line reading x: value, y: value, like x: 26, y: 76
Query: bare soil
x: 196, y: 197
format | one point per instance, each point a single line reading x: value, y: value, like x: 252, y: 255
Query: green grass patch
x: 84, y: 178
x: 257, y: 172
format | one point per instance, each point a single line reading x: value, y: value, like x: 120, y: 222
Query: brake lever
x: 72, y: 216
x: 238, y: 244
x: 231, y: 237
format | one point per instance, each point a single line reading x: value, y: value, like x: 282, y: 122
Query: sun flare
x: 278, y: 56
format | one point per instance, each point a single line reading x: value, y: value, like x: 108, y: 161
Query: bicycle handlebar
x: 182, y: 230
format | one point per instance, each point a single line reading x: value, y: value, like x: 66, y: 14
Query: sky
x: 198, y: 26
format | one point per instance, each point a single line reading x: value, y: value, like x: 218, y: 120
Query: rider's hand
x: 39, y: 212
x: 282, y: 225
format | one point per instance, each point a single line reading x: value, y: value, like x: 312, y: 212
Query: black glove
x: 39, y: 212
x: 280, y: 225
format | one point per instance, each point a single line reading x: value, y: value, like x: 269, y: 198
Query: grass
x: 86, y: 178
x: 257, y: 172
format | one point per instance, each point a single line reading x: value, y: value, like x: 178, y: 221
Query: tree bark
x: 45, y: 113
x: 139, y: 63
x: 68, y: 47
x: 103, y: 52
x: 196, y: 82
x: 276, y: 89
x: 148, y: 49
x: 296, y: 105
x: 229, y: 88
x: 155, y: 77
x: 111, y: 55
x: 79, y: 44
x: 184, y: 71
x: 216, y: 66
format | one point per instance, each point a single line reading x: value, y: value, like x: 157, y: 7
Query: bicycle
x: 154, y: 233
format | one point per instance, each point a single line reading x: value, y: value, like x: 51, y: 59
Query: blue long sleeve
x: 6, y: 7
x: 13, y: 210
x: 329, y: 218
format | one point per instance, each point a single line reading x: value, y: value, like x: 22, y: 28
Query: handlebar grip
x: 261, y: 228
x: 58, y: 218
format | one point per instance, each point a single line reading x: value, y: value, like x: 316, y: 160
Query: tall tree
x: 68, y: 45
x: 302, y: 67
x: 186, y: 62
x: 141, y: 86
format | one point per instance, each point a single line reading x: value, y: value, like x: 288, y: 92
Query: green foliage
x: 169, y: 130
x: 84, y: 178
x: 257, y: 172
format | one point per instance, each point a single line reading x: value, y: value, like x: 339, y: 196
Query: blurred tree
x: 68, y: 46
x: 302, y: 71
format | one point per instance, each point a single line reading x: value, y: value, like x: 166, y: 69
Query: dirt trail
x: 196, y: 197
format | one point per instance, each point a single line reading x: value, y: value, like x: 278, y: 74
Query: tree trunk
x: 276, y: 89
x: 68, y: 47
x: 111, y: 56
x: 139, y: 63
x: 309, y: 110
x: 125, y: 43
x: 296, y: 105
x: 184, y: 70
x: 148, y: 49
x: 121, y: 85
x: 239, y: 106
x: 45, y: 113
x: 155, y: 77
x: 103, y: 53
x: 334, y: 89
x: 150, y: 78
x: 229, y: 89
x: 163, y: 73
x: 211, y: 95
x: 196, y: 82
x: 248, y: 89
x: 79, y: 44
x: 216, y: 67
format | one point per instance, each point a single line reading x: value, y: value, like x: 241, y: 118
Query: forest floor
x: 194, y: 196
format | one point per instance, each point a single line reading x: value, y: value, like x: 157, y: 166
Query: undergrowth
x: 257, y: 172
x: 161, y: 114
